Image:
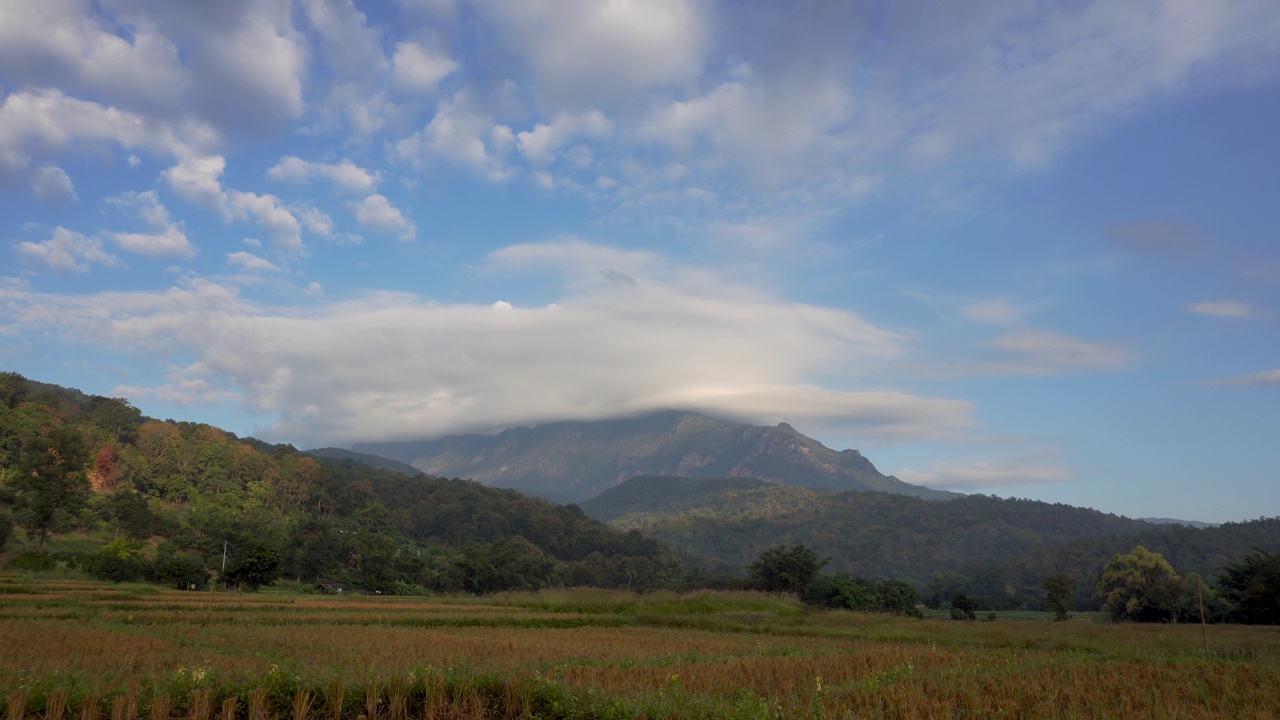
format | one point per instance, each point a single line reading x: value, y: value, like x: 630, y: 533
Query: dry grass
x: 81, y: 649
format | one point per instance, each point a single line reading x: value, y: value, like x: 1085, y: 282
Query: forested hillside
x: 999, y: 549
x: 174, y: 494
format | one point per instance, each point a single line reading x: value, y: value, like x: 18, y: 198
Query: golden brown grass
x: 72, y: 648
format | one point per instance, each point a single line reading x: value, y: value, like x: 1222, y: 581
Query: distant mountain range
x: 574, y: 461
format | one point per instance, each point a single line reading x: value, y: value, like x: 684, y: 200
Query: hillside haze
x: 574, y: 461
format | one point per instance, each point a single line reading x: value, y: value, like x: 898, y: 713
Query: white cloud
x: 197, y: 179
x: 377, y: 213
x: 183, y: 387
x: 463, y: 136
x: 47, y: 121
x: 68, y: 251
x: 345, y: 174
x: 1269, y: 377
x: 248, y: 262
x: 419, y: 68
x: 985, y: 474
x: 1038, y: 352
x: 400, y: 366
x: 993, y: 312
x: 540, y: 144
x: 52, y: 185
x: 166, y: 239
x: 45, y: 42
x: 584, y: 52
x: 1224, y: 308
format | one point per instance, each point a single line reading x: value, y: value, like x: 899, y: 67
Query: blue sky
x: 1022, y: 248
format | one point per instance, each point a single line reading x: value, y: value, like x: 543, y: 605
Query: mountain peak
x: 571, y: 461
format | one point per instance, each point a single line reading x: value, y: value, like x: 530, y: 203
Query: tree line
x: 180, y: 502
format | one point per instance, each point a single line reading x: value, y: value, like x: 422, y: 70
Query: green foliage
x: 897, y: 597
x: 783, y: 569
x: 1140, y: 586
x: 112, y: 567
x: 6, y: 526
x: 13, y: 389
x: 1252, y: 586
x: 1059, y: 595
x: 841, y: 592
x: 32, y: 561
x: 252, y: 566
x: 963, y: 607
x: 180, y: 571
x: 50, y: 479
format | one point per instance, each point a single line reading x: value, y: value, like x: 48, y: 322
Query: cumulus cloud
x: 68, y: 251
x: 377, y: 213
x: 985, y: 474
x: 183, y: 387
x: 419, y: 68
x: 463, y: 135
x: 44, y: 42
x: 52, y: 185
x: 47, y: 121
x: 540, y: 144
x: 400, y: 366
x: 198, y: 180
x: 1224, y: 308
x: 248, y: 262
x: 345, y: 174
x: 166, y: 237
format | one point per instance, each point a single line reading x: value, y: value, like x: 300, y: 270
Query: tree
x: 963, y: 607
x: 1253, y: 588
x: 253, y: 567
x: 897, y: 597
x: 13, y: 389
x: 51, y: 481
x: 1141, y: 586
x: 1060, y: 595
x: 6, y: 527
x: 785, y: 570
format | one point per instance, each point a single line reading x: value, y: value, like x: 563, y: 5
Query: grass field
x: 79, y: 650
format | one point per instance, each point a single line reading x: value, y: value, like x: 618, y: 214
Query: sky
x: 1013, y: 247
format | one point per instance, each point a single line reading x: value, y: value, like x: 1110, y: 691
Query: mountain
x: 864, y: 533
x: 1172, y: 521
x: 573, y: 461
x: 332, y: 453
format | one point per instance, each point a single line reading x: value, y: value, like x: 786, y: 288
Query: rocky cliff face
x: 573, y: 461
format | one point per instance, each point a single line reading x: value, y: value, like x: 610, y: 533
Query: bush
x: 113, y: 568
x: 963, y: 607
x: 182, y: 572
x: 32, y: 561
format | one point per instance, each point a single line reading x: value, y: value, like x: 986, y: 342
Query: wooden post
x: 1204, y: 628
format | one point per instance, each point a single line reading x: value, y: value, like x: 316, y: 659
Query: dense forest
x: 999, y: 551
x: 169, y: 498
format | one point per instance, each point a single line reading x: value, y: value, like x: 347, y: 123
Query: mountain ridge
x: 571, y: 461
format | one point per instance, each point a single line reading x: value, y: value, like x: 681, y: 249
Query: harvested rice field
x: 89, y: 651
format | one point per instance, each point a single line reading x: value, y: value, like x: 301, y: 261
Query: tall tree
x: 1253, y: 588
x: 13, y: 389
x: 1140, y: 585
x: 51, y: 480
x: 1060, y: 595
x: 785, y: 569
